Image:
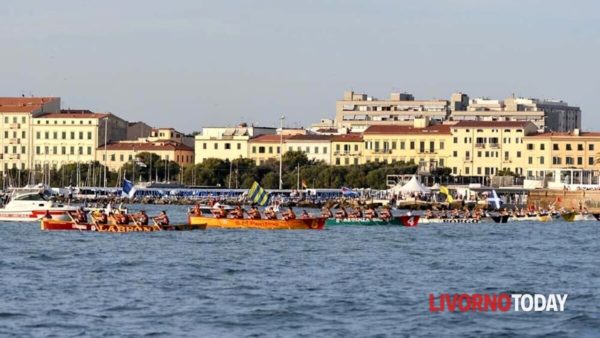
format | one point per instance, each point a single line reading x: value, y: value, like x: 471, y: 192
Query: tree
x: 291, y: 159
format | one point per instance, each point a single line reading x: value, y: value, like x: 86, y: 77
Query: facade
x: 484, y: 148
x: 359, y: 111
x: 266, y: 147
x: 425, y: 145
x: 16, y: 141
x: 120, y: 153
x: 579, y: 150
x: 316, y: 147
x: 170, y: 134
x: 226, y: 143
x: 347, y: 149
x: 72, y: 136
x: 549, y: 115
x: 137, y: 130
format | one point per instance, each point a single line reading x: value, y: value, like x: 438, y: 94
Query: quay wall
x: 566, y: 199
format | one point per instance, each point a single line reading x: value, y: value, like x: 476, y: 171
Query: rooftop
x: 147, y: 146
x: 402, y: 129
x: 73, y: 114
x: 491, y: 124
x: 350, y: 137
x: 269, y: 138
x: 565, y: 134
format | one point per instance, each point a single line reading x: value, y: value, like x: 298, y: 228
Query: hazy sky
x: 192, y: 63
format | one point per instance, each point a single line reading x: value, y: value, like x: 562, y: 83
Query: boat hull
x: 408, y: 221
x: 263, y: 224
x: 62, y: 225
x: 30, y: 215
x: 448, y: 220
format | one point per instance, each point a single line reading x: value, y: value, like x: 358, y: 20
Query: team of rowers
x: 120, y: 217
x: 368, y: 213
x: 219, y: 211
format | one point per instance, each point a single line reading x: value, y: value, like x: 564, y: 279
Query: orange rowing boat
x: 313, y: 223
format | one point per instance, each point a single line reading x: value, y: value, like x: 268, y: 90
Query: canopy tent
x: 412, y: 186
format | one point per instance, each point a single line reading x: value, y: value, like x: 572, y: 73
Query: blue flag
x: 128, y: 188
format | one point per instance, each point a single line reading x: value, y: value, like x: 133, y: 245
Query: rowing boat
x: 425, y: 220
x: 313, y: 223
x: 407, y: 221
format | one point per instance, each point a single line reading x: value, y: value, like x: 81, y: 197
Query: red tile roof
x: 565, y: 134
x: 73, y: 114
x: 21, y: 101
x: 350, y: 137
x: 491, y: 124
x: 400, y: 129
x: 268, y: 138
x: 310, y: 138
x: 19, y: 109
x: 146, y: 146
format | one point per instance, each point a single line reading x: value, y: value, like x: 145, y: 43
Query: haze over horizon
x: 190, y: 64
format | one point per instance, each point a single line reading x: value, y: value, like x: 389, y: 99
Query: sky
x: 192, y: 63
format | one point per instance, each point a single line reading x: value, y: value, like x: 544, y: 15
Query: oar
x: 73, y: 220
x: 156, y: 224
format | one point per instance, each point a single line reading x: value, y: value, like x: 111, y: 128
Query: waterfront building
x: 266, y: 147
x: 71, y: 136
x: 485, y: 148
x: 16, y: 143
x: 565, y: 150
x: 226, y: 143
x: 119, y: 153
x: 359, y: 111
x: 545, y: 114
x: 347, y: 149
x: 316, y: 147
x: 424, y: 144
x: 170, y: 134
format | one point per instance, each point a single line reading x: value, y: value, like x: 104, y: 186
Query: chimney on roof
x: 576, y: 132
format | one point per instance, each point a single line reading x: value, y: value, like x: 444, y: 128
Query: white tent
x: 412, y: 186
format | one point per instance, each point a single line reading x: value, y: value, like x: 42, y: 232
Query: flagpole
x: 281, y: 152
x: 298, y: 178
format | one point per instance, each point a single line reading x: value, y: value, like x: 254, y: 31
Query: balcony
x: 15, y: 126
x: 480, y: 145
x: 495, y: 145
x: 382, y: 151
x: 14, y: 141
x: 14, y: 156
x: 468, y: 159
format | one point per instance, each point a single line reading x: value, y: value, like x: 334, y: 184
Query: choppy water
x: 345, y: 281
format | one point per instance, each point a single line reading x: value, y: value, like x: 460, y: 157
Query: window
x: 121, y: 158
x: 316, y: 150
x: 455, y: 153
x: 569, y: 160
x: 337, y: 161
x: 529, y: 146
x: 337, y: 147
x: 254, y: 149
x: 455, y: 140
x: 324, y: 150
x: 112, y: 156
x: 542, y: 146
x: 591, y: 147
x: 239, y: 146
x: 412, y: 145
x: 89, y: 150
x: 81, y: 135
x: 204, y: 145
x: 37, y: 135
x: 227, y: 146
x: 401, y: 145
x: 555, y: 147
x: 441, y: 145
x: 37, y: 150
x: 467, y: 170
x: 47, y: 135
x: 72, y: 151
x: 23, y: 134
x: 580, y: 161
x: 518, y: 154
x: 579, y: 147
x: 89, y: 135
x: 216, y: 146
x: 270, y: 150
x: 542, y: 160
x: 591, y: 161
x: 72, y: 135
x: 530, y: 160
x: 506, y: 155
x: 569, y: 146
x: 356, y: 147
x: 261, y: 150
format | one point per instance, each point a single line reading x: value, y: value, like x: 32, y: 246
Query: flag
x: 128, y: 188
x: 347, y: 192
x: 444, y: 191
x: 495, y: 199
x: 304, y: 185
x: 257, y: 194
x: 141, y: 164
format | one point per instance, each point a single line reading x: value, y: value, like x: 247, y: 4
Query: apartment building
x: 266, y: 147
x: 484, y: 148
x: 227, y: 143
x: 576, y: 149
x: 120, y: 153
x: 347, y: 149
x: 71, y: 136
x: 359, y: 111
x: 424, y: 144
x: 16, y: 114
x: 316, y: 147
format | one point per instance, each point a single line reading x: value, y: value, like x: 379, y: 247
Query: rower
x: 341, y: 213
x: 141, y: 218
x: 81, y: 216
x: 237, y: 213
x: 196, y: 211
x: 103, y: 218
x: 325, y: 212
x: 305, y: 214
x: 162, y: 218
x: 47, y: 214
x: 289, y: 214
x: 253, y: 213
x: 386, y: 214
x: 269, y: 213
